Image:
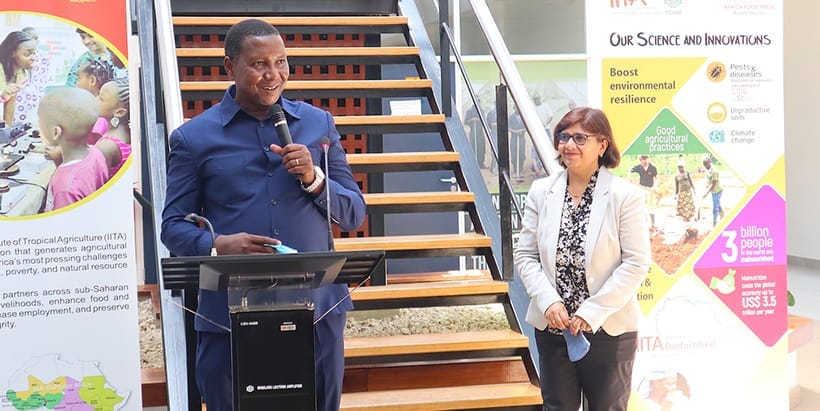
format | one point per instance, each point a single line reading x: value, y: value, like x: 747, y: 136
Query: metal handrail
x: 481, y: 116
x: 169, y: 73
x: 503, y: 59
x: 521, y: 99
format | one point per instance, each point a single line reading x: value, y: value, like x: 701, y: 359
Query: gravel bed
x: 403, y: 321
x: 150, y: 336
x: 434, y: 320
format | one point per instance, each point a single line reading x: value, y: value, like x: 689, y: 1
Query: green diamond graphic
x: 666, y: 134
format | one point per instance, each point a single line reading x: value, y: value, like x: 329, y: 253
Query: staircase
x: 337, y: 64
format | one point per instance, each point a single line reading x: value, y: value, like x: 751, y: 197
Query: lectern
x: 271, y: 318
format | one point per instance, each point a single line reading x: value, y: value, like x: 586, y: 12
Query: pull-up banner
x: 694, y: 92
x: 68, y: 299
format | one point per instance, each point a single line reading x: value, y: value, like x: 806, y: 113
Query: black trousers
x: 604, y: 374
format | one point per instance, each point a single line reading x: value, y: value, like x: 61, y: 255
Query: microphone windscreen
x: 281, y: 124
x: 277, y: 113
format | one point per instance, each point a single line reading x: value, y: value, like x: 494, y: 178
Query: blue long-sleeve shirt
x: 221, y: 167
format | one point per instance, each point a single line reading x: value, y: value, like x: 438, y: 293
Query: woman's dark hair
x: 7, y: 49
x: 246, y: 28
x: 593, y: 121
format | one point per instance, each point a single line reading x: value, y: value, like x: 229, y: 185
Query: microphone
x: 281, y: 124
x: 196, y: 218
x: 282, y: 129
x: 325, y: 142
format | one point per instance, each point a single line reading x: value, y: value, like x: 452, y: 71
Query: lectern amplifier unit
x: 273, y: 359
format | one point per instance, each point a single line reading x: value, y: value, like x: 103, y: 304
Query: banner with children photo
x: 68, y: 300
x: 694, y: 91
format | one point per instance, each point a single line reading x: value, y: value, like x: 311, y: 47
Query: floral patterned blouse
x: 570, y: 275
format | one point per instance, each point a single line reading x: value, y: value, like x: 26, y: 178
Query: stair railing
x: 511, y: 79
x: 509, y: 73
x: 161, y: 106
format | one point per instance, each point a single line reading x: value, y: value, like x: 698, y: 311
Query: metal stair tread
x: 276, y: 21
x: 437, y: 276
x: 421, y: 198
x: 358, y: 347
x: 386, y: 120
x: 220, y: 85
x: 429, y: 290
x: 446, y: 398
x: 402, y: 158
x: 413, y: 242
x: 389, y: 119
x: 219, y: 52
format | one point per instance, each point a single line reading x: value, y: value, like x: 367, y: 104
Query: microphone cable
x: 196, y: 218
x: 341, y: 300
x: 196, y: 314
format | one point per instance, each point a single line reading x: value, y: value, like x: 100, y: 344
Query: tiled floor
x: 804, y: 283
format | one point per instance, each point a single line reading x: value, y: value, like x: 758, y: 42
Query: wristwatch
x: 319, y: 177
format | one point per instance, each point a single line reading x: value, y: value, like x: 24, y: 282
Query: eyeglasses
x: 578, y: 138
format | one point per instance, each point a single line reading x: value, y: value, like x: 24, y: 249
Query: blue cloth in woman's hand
x: 577, y: 345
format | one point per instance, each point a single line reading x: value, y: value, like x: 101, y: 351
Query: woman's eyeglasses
x: 578, y: 138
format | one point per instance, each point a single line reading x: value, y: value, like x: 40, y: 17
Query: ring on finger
x: 297, y: 161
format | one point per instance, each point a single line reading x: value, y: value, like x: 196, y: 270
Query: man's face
x: 644, y: 161
x: 260, y: 72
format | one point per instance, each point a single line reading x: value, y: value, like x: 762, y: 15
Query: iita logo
x: 615, y: 4
x: 717, y: 136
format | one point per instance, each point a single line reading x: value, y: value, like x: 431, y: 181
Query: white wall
x: 802, y: 105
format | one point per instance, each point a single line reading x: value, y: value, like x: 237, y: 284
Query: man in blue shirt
x: 229, y: 166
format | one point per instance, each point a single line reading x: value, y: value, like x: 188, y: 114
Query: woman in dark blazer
x: 582, y: 253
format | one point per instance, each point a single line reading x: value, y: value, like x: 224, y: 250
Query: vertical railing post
x: 504, y: 193
x: 444, y: 45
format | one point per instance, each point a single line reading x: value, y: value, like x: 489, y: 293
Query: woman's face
x: 580, y: 156
x: 93, y: 44
x: 24, y: 55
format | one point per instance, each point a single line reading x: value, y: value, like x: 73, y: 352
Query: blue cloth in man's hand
x: 577, y: 345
